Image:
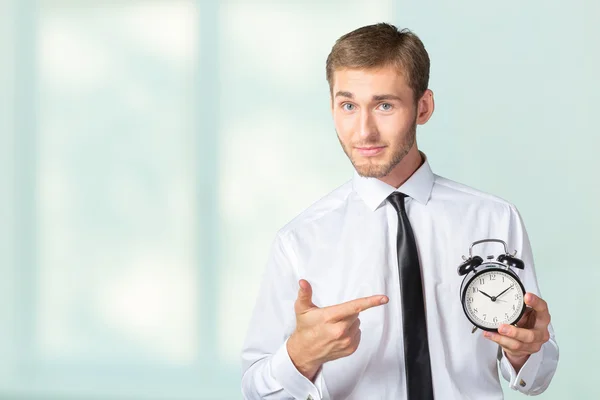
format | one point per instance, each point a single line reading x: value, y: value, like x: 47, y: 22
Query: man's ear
x: 425, y: 107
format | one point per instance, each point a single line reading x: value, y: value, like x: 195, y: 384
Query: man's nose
x: 366, y: 125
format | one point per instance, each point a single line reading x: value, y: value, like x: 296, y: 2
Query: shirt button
x: 522, y: 383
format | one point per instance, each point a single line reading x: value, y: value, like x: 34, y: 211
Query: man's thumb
x: 304, y: 300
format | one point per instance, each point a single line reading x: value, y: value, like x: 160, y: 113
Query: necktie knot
x: 396, y: 199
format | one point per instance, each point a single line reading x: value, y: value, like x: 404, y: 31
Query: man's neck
x: 405, y: 168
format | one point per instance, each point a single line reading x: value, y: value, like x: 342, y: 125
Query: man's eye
x: 386, y: 106
x: 348, y: 106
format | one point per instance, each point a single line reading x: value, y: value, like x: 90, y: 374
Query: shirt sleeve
x: 537, y: 372
x: 267, y: 370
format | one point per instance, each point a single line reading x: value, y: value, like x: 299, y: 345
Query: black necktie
x: 416, y: 347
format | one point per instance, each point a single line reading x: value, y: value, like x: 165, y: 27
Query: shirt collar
x: 374, y: 192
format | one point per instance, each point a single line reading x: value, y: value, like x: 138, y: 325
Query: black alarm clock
x: 491, y: 292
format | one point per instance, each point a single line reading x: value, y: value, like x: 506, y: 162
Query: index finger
x: 521, y: 334
x: 354, y: 307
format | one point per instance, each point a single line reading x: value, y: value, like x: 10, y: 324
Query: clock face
x: 493, y: 297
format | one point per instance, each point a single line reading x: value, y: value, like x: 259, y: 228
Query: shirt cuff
x: 284, y: 371
x: 523, y: 381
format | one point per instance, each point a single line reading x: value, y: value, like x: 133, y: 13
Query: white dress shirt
x: 344, y: 245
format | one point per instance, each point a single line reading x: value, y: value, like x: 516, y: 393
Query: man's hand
x: 531, y: 332
x: 325, y: 334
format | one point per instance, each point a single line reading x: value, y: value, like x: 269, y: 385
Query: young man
x: 385, y: 246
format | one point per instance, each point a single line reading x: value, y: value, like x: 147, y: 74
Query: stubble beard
x: 371, y: 168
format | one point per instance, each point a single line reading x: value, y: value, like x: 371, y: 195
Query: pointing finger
x: 354, y: 307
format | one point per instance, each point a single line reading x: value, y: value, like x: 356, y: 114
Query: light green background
x: 149, y: 151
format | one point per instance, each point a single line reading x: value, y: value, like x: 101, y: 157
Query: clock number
x: 484, y: 316
x: 514, y: 309
x: 503, y: 279
x: 492, y: 277
x: 474, y: 289
x: 505, y: 316
x: 470, y: 299
x: 495, y: 319
x: 475, y: 310
x: 517, y: 296
x: 481, y: 281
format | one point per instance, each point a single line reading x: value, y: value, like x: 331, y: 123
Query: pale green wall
x: 149, y: 151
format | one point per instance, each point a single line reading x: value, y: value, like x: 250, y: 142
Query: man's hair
x: 382, y: 45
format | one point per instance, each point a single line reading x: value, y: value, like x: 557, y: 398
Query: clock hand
x: 506, y: 290
x: 485, y: 294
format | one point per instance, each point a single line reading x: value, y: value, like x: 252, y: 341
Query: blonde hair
x: 382, y: 45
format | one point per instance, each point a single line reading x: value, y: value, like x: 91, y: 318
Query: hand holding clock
x: 531, y: 332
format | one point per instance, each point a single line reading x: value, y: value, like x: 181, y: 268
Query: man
x: 384, y: 247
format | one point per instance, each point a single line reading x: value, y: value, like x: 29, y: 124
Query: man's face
x: 375, y: 118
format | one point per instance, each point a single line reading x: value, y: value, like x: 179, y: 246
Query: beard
x: 371, y: 167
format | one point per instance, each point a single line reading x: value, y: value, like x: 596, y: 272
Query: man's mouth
x: 370, y: 151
